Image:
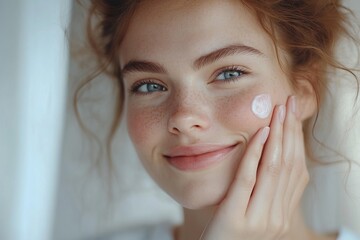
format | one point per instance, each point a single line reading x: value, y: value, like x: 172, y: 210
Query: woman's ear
x: 306, y: 98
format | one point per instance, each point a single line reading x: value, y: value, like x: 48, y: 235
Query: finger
x: 300, y: 173
x: 279, y: 209
x: 239, y: 193
x: 269, y: 170
x: 294, y: 176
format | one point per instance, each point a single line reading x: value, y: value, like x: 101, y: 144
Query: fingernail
x: 293, y: 104
x: 282, y: 113
x: 264, y: 134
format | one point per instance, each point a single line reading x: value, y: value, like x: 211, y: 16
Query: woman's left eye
x: 229, y: 74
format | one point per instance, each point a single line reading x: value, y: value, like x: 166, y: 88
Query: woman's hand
x: 268, y: 185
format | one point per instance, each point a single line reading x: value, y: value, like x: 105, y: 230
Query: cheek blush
x: 261, y: 106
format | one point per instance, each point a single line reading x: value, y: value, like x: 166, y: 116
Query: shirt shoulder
x: 152, y: 232
x: 161, y: 232
x: 347, y: 234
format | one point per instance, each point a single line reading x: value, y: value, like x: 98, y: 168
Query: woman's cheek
x: 142, y: 125
x: 245, y: 113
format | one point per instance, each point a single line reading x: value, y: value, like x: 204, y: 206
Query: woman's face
x: 191, y: 71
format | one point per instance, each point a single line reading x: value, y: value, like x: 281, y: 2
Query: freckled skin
x: 220, y: 111
x: 140, y: 124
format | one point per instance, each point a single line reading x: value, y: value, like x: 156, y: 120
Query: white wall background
x: 49, y: 185
x: 33, y: 76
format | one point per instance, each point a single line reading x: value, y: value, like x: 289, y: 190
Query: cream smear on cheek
x: 261, y: 106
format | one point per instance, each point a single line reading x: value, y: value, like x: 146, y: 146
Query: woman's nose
x: 188, y: 119
x: 187, y: 123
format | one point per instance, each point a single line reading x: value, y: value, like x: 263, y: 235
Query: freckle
x: 143, y: 125
x: 154, y: 117
x: 261, y: 106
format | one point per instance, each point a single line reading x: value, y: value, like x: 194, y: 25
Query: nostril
x: 174, y: 130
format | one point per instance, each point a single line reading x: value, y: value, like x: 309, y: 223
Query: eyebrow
x: 146, y: 66
x: 224, y: 52
x: 142, y: 66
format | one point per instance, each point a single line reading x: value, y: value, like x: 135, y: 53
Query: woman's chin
x: 200, y: 199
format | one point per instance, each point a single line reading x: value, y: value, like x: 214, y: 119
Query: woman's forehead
x: 196, y: 28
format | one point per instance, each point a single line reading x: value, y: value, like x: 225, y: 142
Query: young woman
x: 216, y: 94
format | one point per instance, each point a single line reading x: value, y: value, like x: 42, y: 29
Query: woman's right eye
x: 146, y: 87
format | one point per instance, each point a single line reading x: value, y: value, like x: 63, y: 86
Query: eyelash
x: 241, y: 70
x: 134, y: 89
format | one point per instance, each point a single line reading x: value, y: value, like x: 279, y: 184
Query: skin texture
x: 190, y: 105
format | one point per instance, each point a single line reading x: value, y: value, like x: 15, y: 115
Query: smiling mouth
x: 206, y: 159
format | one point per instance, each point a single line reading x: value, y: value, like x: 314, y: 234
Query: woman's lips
x: 189, y: 158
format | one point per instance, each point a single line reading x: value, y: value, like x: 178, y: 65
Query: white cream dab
x: 261, y: 105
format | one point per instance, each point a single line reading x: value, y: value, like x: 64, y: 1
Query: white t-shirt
x: 158, y: 232
x: 346, y: 234
x: 164, y: 232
